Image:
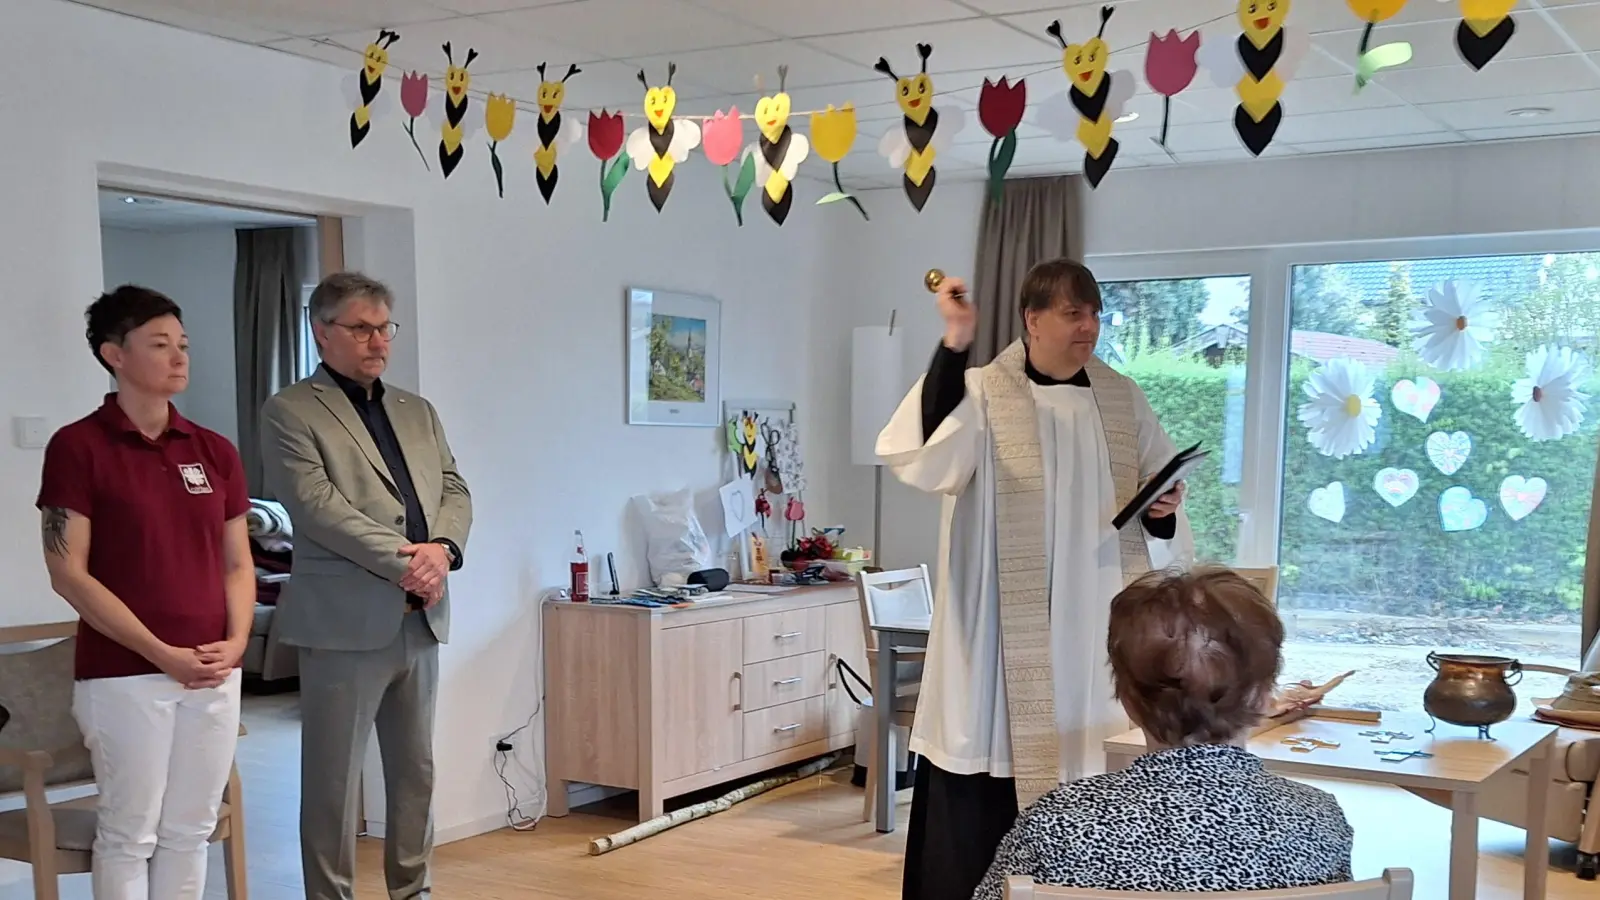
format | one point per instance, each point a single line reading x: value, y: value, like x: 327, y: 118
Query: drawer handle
x: 739, y: 704
x: 790, y: 727
x: 788, y: 635
x: 783, y: 681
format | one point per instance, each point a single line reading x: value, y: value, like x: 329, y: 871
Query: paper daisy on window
x: 1341, y: 415
x: 1550, y: 401
x: 1454, y: 324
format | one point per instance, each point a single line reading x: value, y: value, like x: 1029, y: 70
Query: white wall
x: 195, y: 269
x: 1449, y: 193
x: 518, y: 333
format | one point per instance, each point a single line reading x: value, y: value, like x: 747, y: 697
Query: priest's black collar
x: 1081, y: 379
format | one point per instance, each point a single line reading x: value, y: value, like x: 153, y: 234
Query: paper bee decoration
x: 454, y: 126
x: 1095, y: 96
x: 366, y: 85
x: 662, y: 142
x: 923, y: 132
x: 554, y: 131
x: 1256, y: 66
x: 779, y: 151
x: 1486, y: 27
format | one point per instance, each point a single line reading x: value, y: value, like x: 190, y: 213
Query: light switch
x: 29, y: 432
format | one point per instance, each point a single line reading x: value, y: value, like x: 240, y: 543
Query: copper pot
x: 1474, y: 691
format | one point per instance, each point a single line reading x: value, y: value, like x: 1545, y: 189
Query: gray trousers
x: 343, y: 694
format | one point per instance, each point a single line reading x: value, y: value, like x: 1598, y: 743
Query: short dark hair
x: 1050, y: 282
x: 1194, y: 655
x: 330, y: 294
x: 118, y: 312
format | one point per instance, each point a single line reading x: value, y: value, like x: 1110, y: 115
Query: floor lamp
x: 876, y: 388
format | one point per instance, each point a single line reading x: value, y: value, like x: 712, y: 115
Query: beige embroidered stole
x: 1024, y: 564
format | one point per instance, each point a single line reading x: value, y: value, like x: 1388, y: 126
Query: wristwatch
x: 450, y: 551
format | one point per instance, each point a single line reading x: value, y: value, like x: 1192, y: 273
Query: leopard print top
x: 1205, y: 818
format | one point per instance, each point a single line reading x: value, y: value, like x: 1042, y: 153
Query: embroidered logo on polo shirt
x: 194, y: 478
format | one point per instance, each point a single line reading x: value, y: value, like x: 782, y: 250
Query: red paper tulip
x: 414, y: 93
x: 1000, y: 106
x: 722, y: 137
x: 605, y: 134
x: 1169, y: 62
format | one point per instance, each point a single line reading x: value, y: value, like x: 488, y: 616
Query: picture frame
x: 674, y: 358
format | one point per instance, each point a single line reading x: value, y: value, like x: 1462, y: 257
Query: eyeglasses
x: 364, y: 333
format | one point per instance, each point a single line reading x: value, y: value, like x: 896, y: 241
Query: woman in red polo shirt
x: 144, y: 534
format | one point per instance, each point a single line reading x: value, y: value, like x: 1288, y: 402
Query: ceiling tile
x: 481, y: 7
x: 1581, y: 23
x: 1571, y: 106
x: 1316, y: 95
x: 1503, y: 78
x: 821, y: 17
x: 281, y: 17
x: 222, y: 26
x: 1534, y: 131
x: 616, y: 29
x: 978, y: 44
x: 1317, y: 18
x: 1333, y: 126
x: 733, y: 70
x: 1378, y: 143
x: 421, y: 47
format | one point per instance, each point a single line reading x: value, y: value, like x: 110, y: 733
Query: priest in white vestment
x: 1034, y: 453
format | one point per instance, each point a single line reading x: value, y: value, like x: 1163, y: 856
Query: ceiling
x: 1551, y: 66
x: 163, y: 214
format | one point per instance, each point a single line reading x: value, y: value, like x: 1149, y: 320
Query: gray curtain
x: 1035, y: 219
x: 266, y: 337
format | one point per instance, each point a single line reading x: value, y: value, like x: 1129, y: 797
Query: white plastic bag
x: 675, y: 544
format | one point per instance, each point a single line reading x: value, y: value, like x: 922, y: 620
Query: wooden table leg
x: 1463, y: 845
x: 883, y: 702
x: 1536, y: 859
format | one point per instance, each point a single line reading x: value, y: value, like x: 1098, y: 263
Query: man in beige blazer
x: 380, y: 518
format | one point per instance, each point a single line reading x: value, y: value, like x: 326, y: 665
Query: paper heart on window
x: 1328, y: 502
x: 1449, y: 452
x: 1415, y: 398
x: 1395, y: 486
x: 1519, y: 496
x: 1460, y: 511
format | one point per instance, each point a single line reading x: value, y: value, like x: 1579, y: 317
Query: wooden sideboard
x: 668, y: 701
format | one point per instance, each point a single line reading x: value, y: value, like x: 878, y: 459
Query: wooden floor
x: 803, y: 841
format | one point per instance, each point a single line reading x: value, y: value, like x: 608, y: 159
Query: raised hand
x: 960, y: 315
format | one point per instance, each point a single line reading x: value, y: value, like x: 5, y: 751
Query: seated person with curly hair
x: 1194, y: 657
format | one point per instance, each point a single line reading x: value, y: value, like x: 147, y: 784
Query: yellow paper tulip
x: 499, y: 113
x: 1375, y: 10
x: 833, y: 131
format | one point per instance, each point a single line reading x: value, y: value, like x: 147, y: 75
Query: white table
x: 883, y: 702
x: 1459, y: 767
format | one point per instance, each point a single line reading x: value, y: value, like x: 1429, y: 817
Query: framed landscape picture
x: 674, y: 359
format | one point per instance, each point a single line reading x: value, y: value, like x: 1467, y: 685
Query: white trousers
x: 161, y: 755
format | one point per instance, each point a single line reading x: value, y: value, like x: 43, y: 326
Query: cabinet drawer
x: 791, y: 633
x: 783, y: 680
x: 787, y: 725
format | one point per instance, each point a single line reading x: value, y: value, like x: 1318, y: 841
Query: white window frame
x: 1266, y: 400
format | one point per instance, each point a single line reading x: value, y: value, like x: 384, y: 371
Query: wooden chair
x: 41, y: 749
x: 1265, y: 580
x: 898, y: 595
x: 1395, y: 884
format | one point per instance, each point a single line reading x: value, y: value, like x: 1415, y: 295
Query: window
x: 1437, y: 465
x: 309, y: 360
x: 1184, y: 340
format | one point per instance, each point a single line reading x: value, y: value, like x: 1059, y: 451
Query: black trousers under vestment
x: 957, y: 822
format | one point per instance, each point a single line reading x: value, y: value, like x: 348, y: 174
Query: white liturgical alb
x: 962, y: 725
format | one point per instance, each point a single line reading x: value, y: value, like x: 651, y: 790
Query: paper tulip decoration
x: 499, y: 113
x: 605, y: 142
x: 1170, y: 65
x: 414, y: 98
x: 833, y: 133
x: 722, y: 137
x: 1370, y: 59
x: 1000, y: 108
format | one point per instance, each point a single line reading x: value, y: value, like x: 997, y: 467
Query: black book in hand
x: 1173, y: 472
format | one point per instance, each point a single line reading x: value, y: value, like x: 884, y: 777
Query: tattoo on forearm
x: 55, y: 531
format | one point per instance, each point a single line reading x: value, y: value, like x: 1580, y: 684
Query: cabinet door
x: 846, y: 641
x: 700, y: 692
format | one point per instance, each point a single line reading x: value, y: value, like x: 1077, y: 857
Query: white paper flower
x: 1454, y: 324
x: 1550, y: 400
x: 1341, y: 414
